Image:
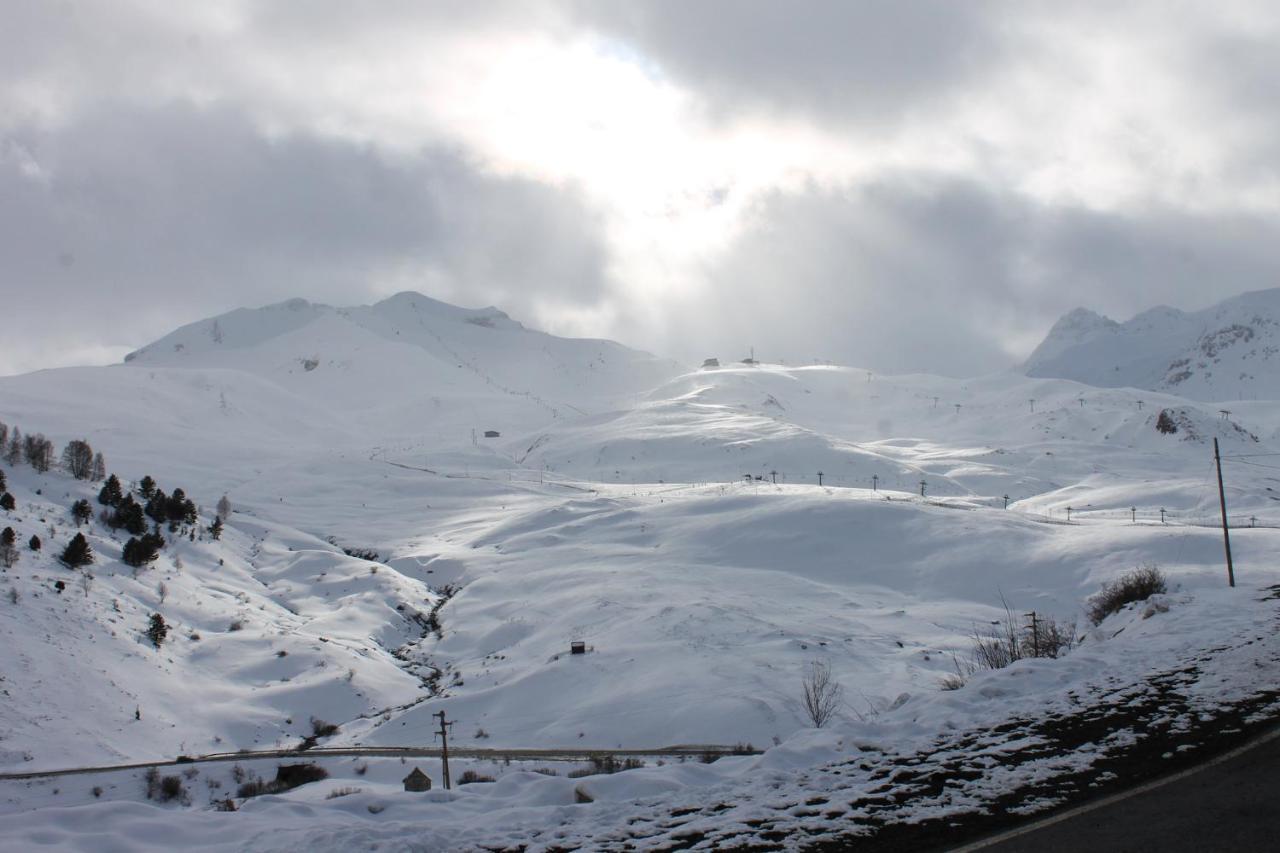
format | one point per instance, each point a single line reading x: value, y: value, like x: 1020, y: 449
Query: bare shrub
x: 320, y: 728
x: 1011, y: 639
x: 470, y: 777
x: 605, y: 764
x: 253, y: 788
x: 165, y: 789
x: 820, y: 694
x: 288, y: 777
x: 341, y: 792
x: 1136, y: 585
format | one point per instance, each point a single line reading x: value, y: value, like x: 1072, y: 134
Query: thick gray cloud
x: 130, y: 220
x: 919, y: 273
x: 868, y: 60
x: 975, y: 168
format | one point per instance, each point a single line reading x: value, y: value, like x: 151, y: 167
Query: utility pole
x: 1222, y: 501
x: 1033, y: 406
x: 1068, y: 521
x: 1006, y: 501
x: 957, y: 408
x: 1035, y: 634
x: 444, y: 745
x: 819, y: 478
x: 922, y: 485
x: 1133, y: 514
x: 774, y: 475
x: 1162, y: 515
x: 875, y: 482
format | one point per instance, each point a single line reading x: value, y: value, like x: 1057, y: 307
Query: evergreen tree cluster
x: 139, y: 551
x: 175, y: 509
x: 123, y: 510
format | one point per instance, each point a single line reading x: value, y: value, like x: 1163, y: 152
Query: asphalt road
x: 1230, y: 805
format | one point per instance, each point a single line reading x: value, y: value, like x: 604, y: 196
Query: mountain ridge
x: 1227, y: 351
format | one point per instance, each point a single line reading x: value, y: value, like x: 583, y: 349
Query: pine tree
x: 215, y: 529
x: 8, y: 547
x: 34, y: 542
x: 129, y: 516
x: 110, y: 493
x: 77, y: 553
x: 157, y: 508
x: 99, y: 467
x: 81, y: 511
x: 180, y: 509
x: 147, y: 487
x: 7, y: 502
x: 4, y: 483
x: 157, y: 630
x: 4, y: 435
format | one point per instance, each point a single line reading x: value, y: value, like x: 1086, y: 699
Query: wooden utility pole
x: 819, y: 478
x: 922, y: 485
x: 875, y: 482
x: 774, y: 476
x: 1222, y: 501
x: 444, y: 745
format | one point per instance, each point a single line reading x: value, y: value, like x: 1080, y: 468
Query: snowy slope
x: 403, y: 359
x: 267, y: 628
x: 1227, y: 352
x: 626, y: 503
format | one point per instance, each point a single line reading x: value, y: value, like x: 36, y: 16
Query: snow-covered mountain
x: 407, y: 357
x: 625, y: 502
x: 1230, y: 351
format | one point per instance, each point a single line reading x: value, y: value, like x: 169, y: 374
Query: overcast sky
x: 907, y: 186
